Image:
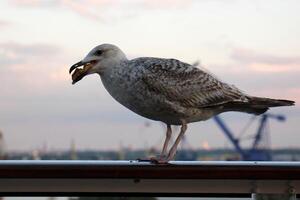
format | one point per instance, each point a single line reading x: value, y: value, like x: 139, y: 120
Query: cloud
x: 35, y: 3
x: 15, y: 53
x: 90, y: 8
x: 146, y: 4
x: 251, y: 56
x: 262, y: 74
x: 105, y: 10
x: 264, y: 62
x: 34, y: 66
x: 3, y: 24
x: 165, y: 5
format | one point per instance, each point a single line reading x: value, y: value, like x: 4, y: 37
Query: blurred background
x: 254, y: 45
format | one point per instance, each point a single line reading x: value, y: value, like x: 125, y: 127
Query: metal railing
x: 134, y: 178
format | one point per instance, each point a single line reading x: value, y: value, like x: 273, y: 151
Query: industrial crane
x: 254, y: 153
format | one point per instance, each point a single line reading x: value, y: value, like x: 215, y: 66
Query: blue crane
x: 254, y: 153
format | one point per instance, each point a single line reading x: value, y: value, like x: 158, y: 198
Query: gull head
x: 98, y: 60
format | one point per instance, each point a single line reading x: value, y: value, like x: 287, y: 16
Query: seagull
x: 167, y: 90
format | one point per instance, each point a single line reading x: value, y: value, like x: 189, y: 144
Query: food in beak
x: 79, y: 73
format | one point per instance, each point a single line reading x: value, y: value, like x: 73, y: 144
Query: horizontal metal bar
x: 134, y: 177
x: 146, y: 170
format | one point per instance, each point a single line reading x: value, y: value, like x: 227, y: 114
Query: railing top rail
x: 146, y: 163
x: 147, y: 170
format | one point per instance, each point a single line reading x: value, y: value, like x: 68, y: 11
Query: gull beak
x: 80, y: 72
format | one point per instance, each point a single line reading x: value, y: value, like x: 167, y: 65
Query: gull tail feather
x: 260, y: 101
x: 257, y: 105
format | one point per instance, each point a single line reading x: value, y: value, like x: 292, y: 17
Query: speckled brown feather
x: 188, y: 85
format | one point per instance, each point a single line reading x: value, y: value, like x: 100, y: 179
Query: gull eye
x: 98, y: 53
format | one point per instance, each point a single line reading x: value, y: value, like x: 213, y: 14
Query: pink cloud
x: 166, y: 4
x: 3, y: 23
x: 251, y: 56
x: 34, y: 66
x: 275, y: 68
x: 34, y: 3
x: 263, y: 62
x: 90, y: 8
x: 15, y: 53
x: 98, y: 9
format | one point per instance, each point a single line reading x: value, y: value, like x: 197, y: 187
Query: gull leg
x: 162, y: 158
x: 167, y: 140
x: 173, y: 150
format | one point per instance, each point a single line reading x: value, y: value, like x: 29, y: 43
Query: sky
x: 254, y: 45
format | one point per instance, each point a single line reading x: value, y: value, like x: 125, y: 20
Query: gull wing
x: 188, y: 85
